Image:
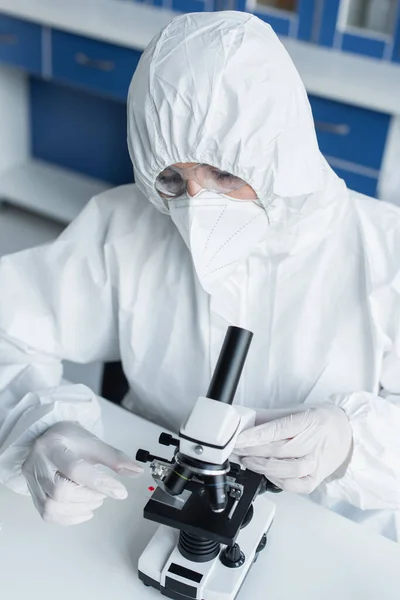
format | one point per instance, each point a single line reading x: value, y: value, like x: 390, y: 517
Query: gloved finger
x: 65, y: 490
x: 280, y: 429
x: 282, y: 468
x: 265, y: 415
x: 294, y: 448
x: 297, y: 485
x: 102, y: 453
x: 90, y: 476
x: 67, y: 521
x: 260, y: 451
x: 29, y: 471
x: 37, y: 494
x: 51, y: 510
x: 303, y: 485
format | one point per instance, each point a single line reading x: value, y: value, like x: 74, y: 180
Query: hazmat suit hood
x: 220, y: 88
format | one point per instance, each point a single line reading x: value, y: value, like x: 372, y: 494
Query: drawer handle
x: 8, y: 38
x: 91, y: 63
x: 335, y: 128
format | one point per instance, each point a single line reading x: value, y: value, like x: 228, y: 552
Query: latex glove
x: 64, y: 476
x: 298, y: 451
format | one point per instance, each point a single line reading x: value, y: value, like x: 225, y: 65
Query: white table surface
x: 312, y: 553
x: 358, y: 80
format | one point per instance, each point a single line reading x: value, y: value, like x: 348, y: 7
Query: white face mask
x: 219, y: 231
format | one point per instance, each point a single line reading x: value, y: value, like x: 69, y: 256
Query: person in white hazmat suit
x: 235, y: 218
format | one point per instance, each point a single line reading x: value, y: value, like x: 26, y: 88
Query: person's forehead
x: 184, y: 165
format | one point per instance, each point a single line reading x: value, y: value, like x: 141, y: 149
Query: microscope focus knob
x: 232, y: 557
x: 235, y: 470
x: 143, y: 456
x: 166, y: 439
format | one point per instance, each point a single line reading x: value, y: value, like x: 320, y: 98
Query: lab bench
x: 65, y: 70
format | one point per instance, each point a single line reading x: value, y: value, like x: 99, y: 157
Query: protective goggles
x: 172, y: 181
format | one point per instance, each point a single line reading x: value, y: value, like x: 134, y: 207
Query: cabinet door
x: 294, y: 18
x: 350, y: 133
x: 362, y: 26
x: 21, y: 44
x: 396, y: 49
x: 92, y: 64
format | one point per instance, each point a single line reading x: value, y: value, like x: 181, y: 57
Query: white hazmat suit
x: 320, y: 289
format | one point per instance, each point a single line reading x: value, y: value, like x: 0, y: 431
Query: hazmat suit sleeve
x: 372, y: 477
x: 57, y: 302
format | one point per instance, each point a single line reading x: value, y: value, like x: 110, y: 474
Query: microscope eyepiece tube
x: 230, y: 365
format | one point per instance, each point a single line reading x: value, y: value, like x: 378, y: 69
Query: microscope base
x: 163, y: 567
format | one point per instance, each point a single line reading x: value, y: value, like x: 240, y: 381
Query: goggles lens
x: 172, y: 181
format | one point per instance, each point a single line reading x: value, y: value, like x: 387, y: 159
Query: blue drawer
x: 350, y: 133
x: 21, y: 44
x: 93, y: 65
x: 359, y: 183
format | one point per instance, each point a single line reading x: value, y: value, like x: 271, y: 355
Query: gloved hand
x: 298, y: 451
x: 63, y: 475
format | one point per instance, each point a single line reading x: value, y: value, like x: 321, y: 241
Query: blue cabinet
x: 350, y: 133
x: 93, y: 65
x: 187, y: 5
x: 21, y: 44
x: 368, y: 27
x: 396, y: 46
x: 82, y: 132
x: 353, y: 140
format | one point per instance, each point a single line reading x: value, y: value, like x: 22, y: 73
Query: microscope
x: 213, y: 514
